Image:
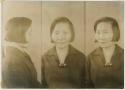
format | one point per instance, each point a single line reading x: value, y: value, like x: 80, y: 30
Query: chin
x: 103, y: 46
x: 62, y: 46
x: 106, y: 45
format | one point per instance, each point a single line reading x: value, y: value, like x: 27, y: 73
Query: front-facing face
x: 104, y: 34
x: 61, y: 35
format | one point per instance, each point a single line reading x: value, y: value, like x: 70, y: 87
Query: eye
x: 64, y: 32
x: 105, y: 32
x: 97, y: 32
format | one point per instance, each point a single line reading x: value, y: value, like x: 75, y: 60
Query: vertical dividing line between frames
x: 41, y: 40
x: 84, y: 26
x: 1, y: 46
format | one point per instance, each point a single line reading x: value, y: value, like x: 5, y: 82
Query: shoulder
x: 51, y: 51
x: 76, y: 51
x: 14, y: 56
x: 95, y: 52
x: 119, y: 49
x: 12, y: 51
x: 76, y: 55
x: 119, y: 52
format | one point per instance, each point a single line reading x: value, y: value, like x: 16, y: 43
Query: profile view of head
x: 16, y: 29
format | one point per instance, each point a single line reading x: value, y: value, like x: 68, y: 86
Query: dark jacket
x: 70, y: 76
x: 18, y: 70
x: 101, y: 76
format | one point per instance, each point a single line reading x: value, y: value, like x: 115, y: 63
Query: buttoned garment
x: 106, y: 76
x: 69, y: 75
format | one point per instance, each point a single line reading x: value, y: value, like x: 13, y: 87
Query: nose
x: 61, y: 36
x: 101, y: 36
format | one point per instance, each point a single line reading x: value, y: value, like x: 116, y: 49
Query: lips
x: 61, y: 40
x: 102, y: 40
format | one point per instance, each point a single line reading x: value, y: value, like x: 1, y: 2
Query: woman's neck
x: 62, y: 54
x: 64, y: 49
x: 110, y: 48
x: 108, y: 53
x: 8, y: 43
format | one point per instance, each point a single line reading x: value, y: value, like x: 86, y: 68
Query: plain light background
x: 82, y: 14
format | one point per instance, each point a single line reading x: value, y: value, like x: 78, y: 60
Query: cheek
x: 53, y: 37
x: 69, y: 36
x: 110, y: 37
x: 96, y: 36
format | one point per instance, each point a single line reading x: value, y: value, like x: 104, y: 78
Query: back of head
x: 16, y: 29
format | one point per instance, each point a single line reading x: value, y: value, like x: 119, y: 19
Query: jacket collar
x: 19, y: 46
x: 117, y: 50
x: 52, y: 51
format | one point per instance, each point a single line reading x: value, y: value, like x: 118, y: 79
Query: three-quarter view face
x: 107, y: 31
x: 62, y: 45
x: 104, y: 34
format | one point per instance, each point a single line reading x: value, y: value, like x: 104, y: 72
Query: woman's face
x: 104, y: 34
x: 61, y: 35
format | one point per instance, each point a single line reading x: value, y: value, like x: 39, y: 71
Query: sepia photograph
x: 62, y: 44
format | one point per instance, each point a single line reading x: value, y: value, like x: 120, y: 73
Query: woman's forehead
x: 104, y: 25
x: 62, y: 26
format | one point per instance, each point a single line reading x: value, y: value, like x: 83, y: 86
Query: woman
x: 18, y: 70
x: 63, y: 66
x: 106, y: 63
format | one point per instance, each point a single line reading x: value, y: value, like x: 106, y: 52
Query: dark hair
x: 16, y: 28
x: 62, y: 20
x: 115, y: 26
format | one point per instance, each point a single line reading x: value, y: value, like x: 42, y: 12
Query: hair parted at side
x: 16, y: 28
x: 115, y: 26
x: 62, y: 20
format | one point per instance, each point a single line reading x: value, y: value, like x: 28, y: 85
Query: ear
x: 52, y: 41
x: 95, y: 41
x: 51, y: 38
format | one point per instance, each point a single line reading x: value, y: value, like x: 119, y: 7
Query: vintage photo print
x: 62, y: 45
